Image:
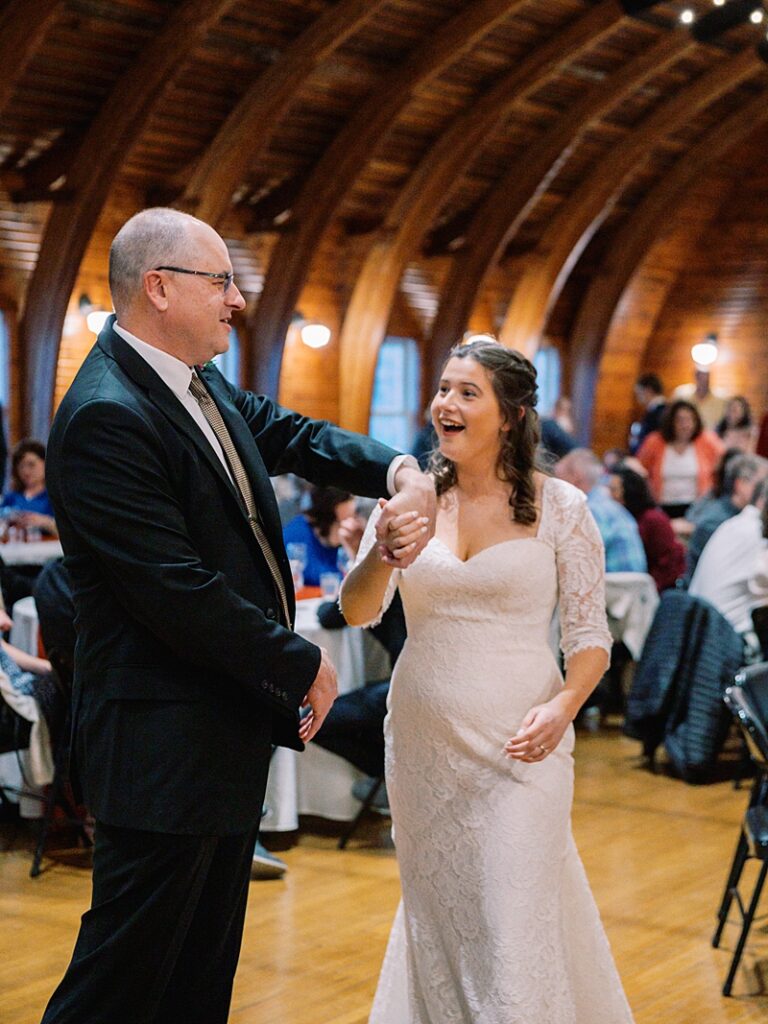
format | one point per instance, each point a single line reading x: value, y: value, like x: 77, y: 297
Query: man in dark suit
x: 187, y: 669
x: 649, y: 393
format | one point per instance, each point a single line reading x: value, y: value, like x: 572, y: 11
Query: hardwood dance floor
x: 656, y: 852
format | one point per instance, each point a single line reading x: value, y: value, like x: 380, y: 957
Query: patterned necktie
x: 211, y: 412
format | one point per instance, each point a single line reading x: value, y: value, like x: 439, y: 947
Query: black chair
x: 748, y: 701
x: 59, y: 797
x: 56, y: 613
x: 760, y: 626
x: 364, y: 808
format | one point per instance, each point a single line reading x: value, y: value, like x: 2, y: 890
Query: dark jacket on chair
x: 690, y: 656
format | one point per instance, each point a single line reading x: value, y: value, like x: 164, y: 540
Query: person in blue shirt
x: 28, y: 497
x: 624, y: 551
x: 321, y: 530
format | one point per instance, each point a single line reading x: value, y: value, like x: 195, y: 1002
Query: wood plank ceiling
x: 442, y: 151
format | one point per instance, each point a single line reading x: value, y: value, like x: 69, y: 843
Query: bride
x: 497, y: 924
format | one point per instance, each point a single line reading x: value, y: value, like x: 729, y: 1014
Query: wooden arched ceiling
x: 447, y: 154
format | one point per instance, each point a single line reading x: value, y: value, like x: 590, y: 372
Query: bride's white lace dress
x: 497, y: 924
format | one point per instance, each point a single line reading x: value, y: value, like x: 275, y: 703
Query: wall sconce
x: 705, y: 353
x: 315, y: 335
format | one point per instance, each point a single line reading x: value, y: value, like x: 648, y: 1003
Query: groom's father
x: 187, y: 665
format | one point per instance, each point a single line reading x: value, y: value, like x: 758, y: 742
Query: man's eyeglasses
x: 226, y: 277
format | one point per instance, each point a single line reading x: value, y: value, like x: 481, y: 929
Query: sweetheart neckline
x: 491, y: 547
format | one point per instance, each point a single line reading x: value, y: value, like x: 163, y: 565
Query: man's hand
x: 6, y: 622
x: 416, y: 495
x: 319, y: 699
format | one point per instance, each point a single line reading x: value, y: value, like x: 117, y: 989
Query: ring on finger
x: 543, y: 749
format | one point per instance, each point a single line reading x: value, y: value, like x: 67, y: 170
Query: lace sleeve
x: 368, y: 541
x: 580, y: 572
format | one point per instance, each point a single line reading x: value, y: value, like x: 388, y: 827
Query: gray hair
x: 583, y: 463
x: 742, y: 467
x: 149, y: 239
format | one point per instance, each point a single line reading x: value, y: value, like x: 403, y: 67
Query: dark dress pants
x: 161, y: 941
x: 354, y: 728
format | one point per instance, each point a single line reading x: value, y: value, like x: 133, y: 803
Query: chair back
x: 747, y: 700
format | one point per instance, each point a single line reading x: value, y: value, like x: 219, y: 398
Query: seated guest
x: 680, y: 458
x: 623, y: 547
x: 664, y: 552
x: 698, y: 508
x: 730, y: 574
x: 737, y: 429
x: 320, y: 529
x: 28, y: 497
x: 742, y: 474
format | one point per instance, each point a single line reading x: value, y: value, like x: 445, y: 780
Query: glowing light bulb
x: 96, y: 320
x: 315, y: 335
x: 757, y: 16
x: 687, y: 16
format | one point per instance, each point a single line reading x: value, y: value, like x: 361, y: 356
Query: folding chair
x: 748, y: 701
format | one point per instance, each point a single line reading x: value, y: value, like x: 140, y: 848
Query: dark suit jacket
x: 184, y: 675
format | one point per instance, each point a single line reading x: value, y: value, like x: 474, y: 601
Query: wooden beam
x: 510, y: 202
x: 337, y: 170
x: 570, y: 231
x: 247, y: 131
x: 97, y: 163
x: 594, y: 331
x: 413, y: 212
x: 23, y: 28
x: 32, y: 182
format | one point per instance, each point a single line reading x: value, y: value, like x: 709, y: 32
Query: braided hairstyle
x: 513, y: 379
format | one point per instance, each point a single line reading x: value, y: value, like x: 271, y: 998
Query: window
x: 547, y: 363
x: 395, y: 412
x: 5, y: 360
x: 229, y: 362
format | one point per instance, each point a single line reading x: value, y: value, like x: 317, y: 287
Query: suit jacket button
x: 270, y: 613
x: 264, y: 684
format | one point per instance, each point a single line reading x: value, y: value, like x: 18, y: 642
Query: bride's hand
x: 541, y: 731
x: 403, y: 534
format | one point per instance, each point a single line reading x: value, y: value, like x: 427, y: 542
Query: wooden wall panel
x: 629, y: 346
x: 724, y: 288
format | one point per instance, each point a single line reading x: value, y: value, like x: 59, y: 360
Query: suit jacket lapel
x: 251, y: 459
x: 141, y: 373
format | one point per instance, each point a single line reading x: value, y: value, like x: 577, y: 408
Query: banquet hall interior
x: 582, y: 180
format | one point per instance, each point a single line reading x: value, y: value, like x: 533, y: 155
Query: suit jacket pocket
x: 149, y: 682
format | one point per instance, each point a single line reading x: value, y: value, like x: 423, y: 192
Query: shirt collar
x: 172, y: 372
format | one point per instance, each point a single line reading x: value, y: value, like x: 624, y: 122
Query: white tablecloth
x: 631, y: 600
x: 316, y: 781
x: 36, y: 552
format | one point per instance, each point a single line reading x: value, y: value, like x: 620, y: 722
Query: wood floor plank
x: 656, y: 851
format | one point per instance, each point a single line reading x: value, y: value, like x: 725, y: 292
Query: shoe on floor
x: 266, y: 864
x: 361, y: 790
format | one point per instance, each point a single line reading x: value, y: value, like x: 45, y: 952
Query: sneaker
x: 266, y: 864
x: 361, y: 791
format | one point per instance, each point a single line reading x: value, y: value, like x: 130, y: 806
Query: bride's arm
x: 369, y: 587
x: 363, y: 590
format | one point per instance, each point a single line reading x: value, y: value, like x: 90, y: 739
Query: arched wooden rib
x: 336, y: 172
x: 409, y: 219
x: 570, y: 231
x: 506, y: 206
x: 23, y: 27
x: 91, y: 174
x: 249, y: 127
x: 596, y: 331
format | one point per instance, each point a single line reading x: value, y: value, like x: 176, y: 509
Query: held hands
x: 541, y: 731
x: 319, y: 699
x: 407, y: 521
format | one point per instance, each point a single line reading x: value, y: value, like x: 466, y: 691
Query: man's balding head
x: 155, y: 237
x: 580, y: 467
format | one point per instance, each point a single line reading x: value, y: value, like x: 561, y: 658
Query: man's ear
x: 155, y: 290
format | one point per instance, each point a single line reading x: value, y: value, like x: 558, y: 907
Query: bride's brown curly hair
x: 514, y: 383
